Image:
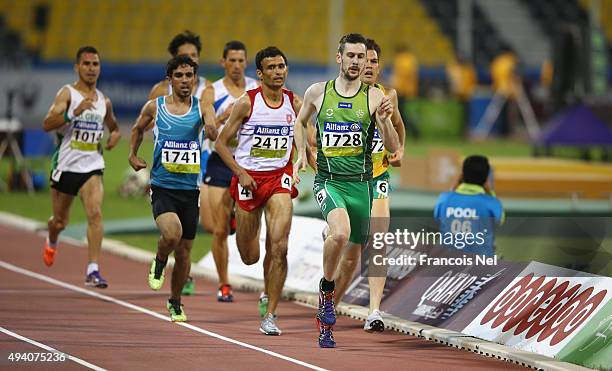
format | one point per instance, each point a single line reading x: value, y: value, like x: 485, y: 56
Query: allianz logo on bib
x: 181, y: 144
x: 342, y: 127
x: 271, y: 130
x: 460, y: 212
x: 345, y: 105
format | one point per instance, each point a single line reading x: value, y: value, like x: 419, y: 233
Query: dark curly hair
x: 186, y: 37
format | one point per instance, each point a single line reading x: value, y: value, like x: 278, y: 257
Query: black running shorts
x: 185, y: 204
x: 218, y: 174
x: 69, y: 182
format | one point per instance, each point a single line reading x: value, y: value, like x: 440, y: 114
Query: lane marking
x: 50, y: 349
x: 137, y: 308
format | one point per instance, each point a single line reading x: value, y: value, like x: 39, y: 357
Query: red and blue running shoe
x: 94, y: 279
x: 327, y: 311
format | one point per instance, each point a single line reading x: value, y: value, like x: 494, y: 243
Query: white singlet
x: 79, y: 140
x: 223, y: 99
x: 265, y: 140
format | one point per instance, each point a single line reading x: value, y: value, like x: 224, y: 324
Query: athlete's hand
x: 298, y: 166
x: 385, y: 110
x: 395, y: 159
x: 137, y: 163
x: 211, y: 131
x: 246, y: 181
x: 86, y: 104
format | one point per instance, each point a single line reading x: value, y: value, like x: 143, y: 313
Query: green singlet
x: 345, y: 130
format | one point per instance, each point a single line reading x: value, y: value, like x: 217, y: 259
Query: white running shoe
x: 374, y: 322
x: 268, y: 325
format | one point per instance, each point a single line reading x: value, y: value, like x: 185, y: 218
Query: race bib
x: 270, y: 141
x: 244, y: 194
x: 181, y: 156
x: 286, y: 181
x: 86, y: 135
x: 382, y: 187
x: 378, y: 147
x: 342, y: 139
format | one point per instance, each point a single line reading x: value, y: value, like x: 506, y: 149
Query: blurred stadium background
x: 451, y: 60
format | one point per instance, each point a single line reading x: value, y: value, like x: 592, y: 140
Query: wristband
x: 66, y: 117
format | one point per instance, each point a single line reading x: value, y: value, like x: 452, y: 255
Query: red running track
x: 126, y: 327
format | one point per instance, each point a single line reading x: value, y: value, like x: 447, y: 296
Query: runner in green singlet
x: 347, y: 112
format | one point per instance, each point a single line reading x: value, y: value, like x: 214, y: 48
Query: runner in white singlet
x: 78, y: 115
x: 263, y: 173
x: 221, y: 96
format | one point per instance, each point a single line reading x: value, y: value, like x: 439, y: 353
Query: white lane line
x: 50, y: 349
x: 136, y: 308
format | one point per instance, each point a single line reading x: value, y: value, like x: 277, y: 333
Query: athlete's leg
x: 377, y: 275
x: 336, y: 241
x: 171, y: 231
x: 358, y: 203
x: 279, y: 209
x: 266, y: 263
x: 247, y: 234
x: 180, y: 271
x: 221, y: 202
x: 346, y: 269
x: 91, y: 194
x: 206, y: 219
x: 60, y: 203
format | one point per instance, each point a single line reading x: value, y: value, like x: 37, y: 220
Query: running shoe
x: 268, y: 325
x: 374, y: 322
x: 49, y: 254
x: 326, y: 337
x: 189, y: 286
x: 327, y: 313
x: 94, y: 279
x: 262, y: 304
x: 156, y: 275
x: 177, y: 312
x: 225, y: 294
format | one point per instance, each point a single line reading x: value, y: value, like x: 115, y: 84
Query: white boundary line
x: 46, y: 347
x: 137, y: 308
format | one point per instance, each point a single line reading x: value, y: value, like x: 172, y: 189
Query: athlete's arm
x: 111, y: 122
x: 143, y: 122
x: 225, y: 115
x: 384, y: 110
x: 208, y: 116
x: 242, y: 110
x: 58, y: 112
x: 55, y: 117
x: 311, y: 156
x: 208, y: 107
x: 313, y: 93
x: 159, y: 90
x: 395, y: 159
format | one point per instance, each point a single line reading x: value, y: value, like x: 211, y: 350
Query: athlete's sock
x: 92, y: 267
x: 327, y: 286
x: 52, y: 245
x: 263, y: 295
x: 159, y: 267
x: 175, y: 303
